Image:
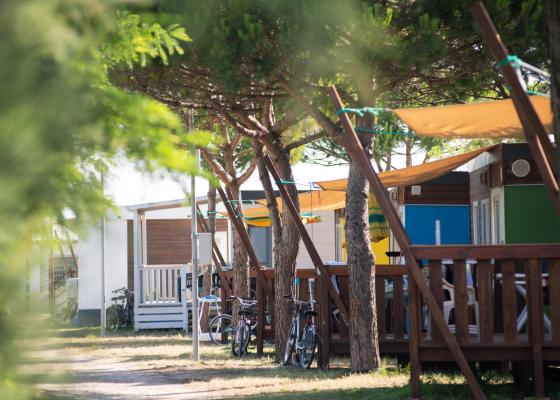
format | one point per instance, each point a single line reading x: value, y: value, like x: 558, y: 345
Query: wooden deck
x: 498, y: 273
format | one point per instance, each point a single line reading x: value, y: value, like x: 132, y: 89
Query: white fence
x: 160, y: 284
x: 160, y: 296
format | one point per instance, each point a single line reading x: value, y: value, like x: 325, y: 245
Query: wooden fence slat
x: 260, y: 318
x: 149, y: 294
x: 414, y: 338
x: 324, y: 325
x: 398, y: 306
x: 461, y: 301
x: 380, y: 305
x: 536, y: 322
x: 509, y: 300
x: 485, y: 272
x: 436, y: 286
x: 554, y: 294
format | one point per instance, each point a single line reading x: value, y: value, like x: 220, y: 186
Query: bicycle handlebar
x: 243, y: 302
x: 299, y: 302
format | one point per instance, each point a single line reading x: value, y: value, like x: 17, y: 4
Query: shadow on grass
x: 103, y: 343
x: 430, y: 391
x: 381, y: 393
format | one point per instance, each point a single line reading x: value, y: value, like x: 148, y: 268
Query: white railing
x: 161, y: 284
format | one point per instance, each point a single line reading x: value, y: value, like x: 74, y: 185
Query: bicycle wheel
x: 290, y: 345
x: 220, y: 327
x: 129, y: 315
x: 112, y: 318
x: 247, y: 337
x: 309, y: 346
x: 238, y: 340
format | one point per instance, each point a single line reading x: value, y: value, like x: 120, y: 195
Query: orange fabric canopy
x: 492, y: 119
x: 412, y: 175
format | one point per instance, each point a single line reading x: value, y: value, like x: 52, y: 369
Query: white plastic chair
x: 449, y: 305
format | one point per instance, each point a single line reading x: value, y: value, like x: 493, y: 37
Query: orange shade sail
x: 492, y: 119
x: 412, y: 175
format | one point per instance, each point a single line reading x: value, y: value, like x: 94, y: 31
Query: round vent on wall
x: 520, y: 168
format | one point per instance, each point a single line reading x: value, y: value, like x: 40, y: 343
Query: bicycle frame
x: 298, y: 319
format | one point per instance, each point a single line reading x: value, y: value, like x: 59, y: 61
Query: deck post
x: 414, y: 339
x: 308, y: 242
x: 183, y: 290
x: 260, y: 318
x: 323, y: 355
x: 137, y: 263
x: 536, y: 322
x: 403, y: 240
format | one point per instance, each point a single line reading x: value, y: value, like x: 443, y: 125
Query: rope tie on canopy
x: 242, y: 201
x: 361, y: 112
x: 377, y: 131
x: 312, y: 185
x: 534, y: 92
x: 285, y: 182
x: 512, y: 59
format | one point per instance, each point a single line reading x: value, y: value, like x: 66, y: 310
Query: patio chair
x: 449, y: 305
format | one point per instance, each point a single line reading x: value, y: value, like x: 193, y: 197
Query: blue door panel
x: 420, y: 223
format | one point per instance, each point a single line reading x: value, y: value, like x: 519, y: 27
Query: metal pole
x: 194, y: 271
x: 103, y: 314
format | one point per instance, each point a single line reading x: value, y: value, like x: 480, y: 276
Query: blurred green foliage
x: 61, y: 122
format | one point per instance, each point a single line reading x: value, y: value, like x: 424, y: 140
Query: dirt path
x: 148, y: 367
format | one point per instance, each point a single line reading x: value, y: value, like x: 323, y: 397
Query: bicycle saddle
x: 310, y: 313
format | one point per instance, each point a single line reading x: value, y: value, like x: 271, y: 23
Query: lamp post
x: 194, y: 242
x: 103, y: 315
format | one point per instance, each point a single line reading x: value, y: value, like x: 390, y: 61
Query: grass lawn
x: 78, y: 364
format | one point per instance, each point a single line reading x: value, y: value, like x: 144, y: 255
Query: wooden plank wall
x: 438, y: 194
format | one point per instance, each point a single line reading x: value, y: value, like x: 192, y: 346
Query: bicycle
x: 220, y: 327
x: 121, y: 313
x: 304, y: 344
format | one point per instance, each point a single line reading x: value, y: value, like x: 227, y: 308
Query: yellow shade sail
x: 412, y: 175
x: 316, y: 200
x: 492, y: 119
x: 259, y: 216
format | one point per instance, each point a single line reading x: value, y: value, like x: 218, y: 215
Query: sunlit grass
x: 75, y: 356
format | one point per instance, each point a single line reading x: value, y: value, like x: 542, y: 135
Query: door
x: 261, y: 238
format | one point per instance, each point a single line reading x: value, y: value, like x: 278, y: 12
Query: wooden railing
x: 506, y: 303
x: 159, y: 284
x: 509, y: 287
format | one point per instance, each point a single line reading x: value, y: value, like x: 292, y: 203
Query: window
x: 58, y: 270
x: 476, y: 222
x: 496, y: 217
x: 485, y: 222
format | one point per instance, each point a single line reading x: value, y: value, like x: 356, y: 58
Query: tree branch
x: 248, y: 172
x: 306, y: 140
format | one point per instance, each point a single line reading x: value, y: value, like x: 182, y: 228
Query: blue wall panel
x: 420, y: 223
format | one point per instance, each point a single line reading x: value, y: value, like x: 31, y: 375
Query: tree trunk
x: 239, y: 264
x: 389, y: 162
x: 408, y: 147
x: 364, y: 346
x: 554, y: 49
x: 207, y: 277
x: 286, y: 246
